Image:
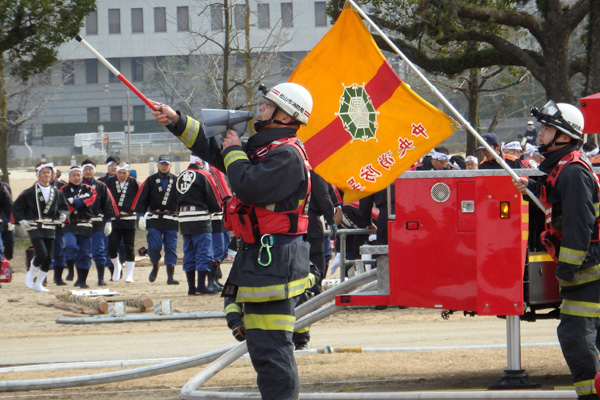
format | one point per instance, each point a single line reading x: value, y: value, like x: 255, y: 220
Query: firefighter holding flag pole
x: 570, y: 193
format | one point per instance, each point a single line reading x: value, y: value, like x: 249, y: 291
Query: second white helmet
x: 563, y: 116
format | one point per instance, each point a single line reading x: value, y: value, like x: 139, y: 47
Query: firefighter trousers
x: 578, y: 337
x: 269, y: 326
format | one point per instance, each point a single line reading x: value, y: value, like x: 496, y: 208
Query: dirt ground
x: 424, y: 352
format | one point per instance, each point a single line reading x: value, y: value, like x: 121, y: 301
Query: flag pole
x: 446, y: 103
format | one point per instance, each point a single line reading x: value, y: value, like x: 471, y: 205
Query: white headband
x: 42, y: 166
x: 195, y: 160
x: 471, y: 158
x: 88, y: 165
x: 514, y: 145
x: 455, y: 165
x: 593, y: 152
x: 126, y: 167
x: 72, y: 169
x: 439, y: 156
x: 109, y: 163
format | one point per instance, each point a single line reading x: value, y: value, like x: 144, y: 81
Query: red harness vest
x: 251, y: 222
x: 551, y: 237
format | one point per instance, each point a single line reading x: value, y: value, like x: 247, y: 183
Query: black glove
x: 334, y: 229
x: 239, y: 332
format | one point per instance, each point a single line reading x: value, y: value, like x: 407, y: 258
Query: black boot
x: 202, y: 288
x: 100, y: 271
x: 111, y: 269
x: 81, y: 278
x: 191, y: 281
x: 70, y: 270
x: 212, y: 279
x: 153, y: 273
x: 58, y: 270
x: 218, y: 274
x: 170, y: 272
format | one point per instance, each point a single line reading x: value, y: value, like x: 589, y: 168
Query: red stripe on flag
x: 333, y: 137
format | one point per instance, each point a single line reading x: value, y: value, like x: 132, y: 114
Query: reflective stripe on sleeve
x: 190, y: 133
x: 234, y: 156
x: 570, y: 256
x: 233, y: 308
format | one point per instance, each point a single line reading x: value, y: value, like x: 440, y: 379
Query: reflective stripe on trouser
x: 269, y: 328
x: 273, y: 292
x: 577, y: 336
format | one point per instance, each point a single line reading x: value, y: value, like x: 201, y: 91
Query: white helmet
x: 564, y: 117
x: 292, y: 99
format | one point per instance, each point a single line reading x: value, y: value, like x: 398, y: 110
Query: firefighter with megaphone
x: 270, y: 179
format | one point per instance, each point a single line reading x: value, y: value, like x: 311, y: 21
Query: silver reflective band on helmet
x: 564, y: 117
x: 292, y: 99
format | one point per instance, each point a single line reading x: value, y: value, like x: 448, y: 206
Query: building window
x: 93, y: 114
x: 116, y: 62
x: 216, y: 17
x: 137, y: 20
x: 160, y: 19
x: 287, y: 15
x: 91, y: 23
x: 139, y: 113
x: 68, y: 71
x: 264, y: 16
x: 286, y: 62
x: 183, y: 19
x: 116, y: 113
x: 137, y: 69
x: 320, y: 13
x: 239, y: 16
x: 114, y: 20
x: 91, y: 70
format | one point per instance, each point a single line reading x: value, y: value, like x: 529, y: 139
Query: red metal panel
x: 590, y: 108
x: 433, y: 266
x: 457, y: 259
x: 500, y: 248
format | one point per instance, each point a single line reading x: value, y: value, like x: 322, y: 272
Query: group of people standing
x: 72, y: 223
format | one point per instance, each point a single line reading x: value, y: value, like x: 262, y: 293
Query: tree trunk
x: 226, y: 55
x: 474, y: 120
x: 249, y: 86
x: 593, y: 53
x: 3, y: 123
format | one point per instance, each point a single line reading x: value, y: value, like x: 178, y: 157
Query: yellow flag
x: 367, y: 126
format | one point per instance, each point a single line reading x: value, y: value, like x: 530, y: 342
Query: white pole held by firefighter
x: 446, y: 103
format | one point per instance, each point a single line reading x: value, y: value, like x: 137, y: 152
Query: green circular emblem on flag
x: 357, y: 113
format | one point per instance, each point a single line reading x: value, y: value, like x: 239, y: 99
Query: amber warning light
x: 504, y: 210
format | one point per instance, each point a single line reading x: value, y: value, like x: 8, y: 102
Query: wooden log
x: 96, y: 303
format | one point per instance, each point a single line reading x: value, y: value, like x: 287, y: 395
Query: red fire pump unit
x: 459, y: 242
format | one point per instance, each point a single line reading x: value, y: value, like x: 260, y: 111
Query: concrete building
x: 136, y: 34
